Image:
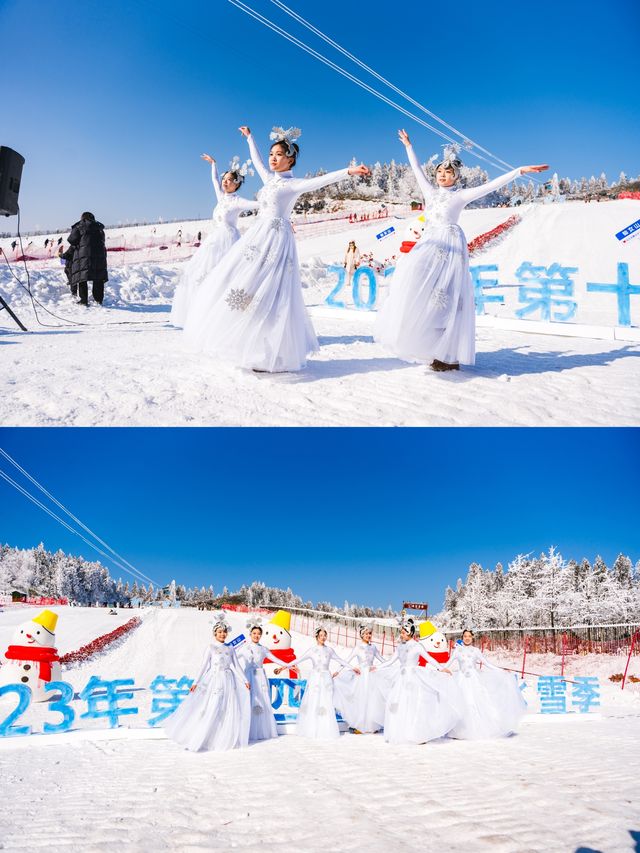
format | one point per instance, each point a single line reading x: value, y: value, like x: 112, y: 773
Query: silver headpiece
x: 289, y: 136
x: 451, y: 158
x: 408, y: 624
x: 256, y: 622
x: 220, y: 621
x: 319, y: 627
x: 365, y: 626
x: 242, y: 169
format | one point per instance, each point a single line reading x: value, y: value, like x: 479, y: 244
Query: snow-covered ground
x: 126, y: 366
x: 561, y: 784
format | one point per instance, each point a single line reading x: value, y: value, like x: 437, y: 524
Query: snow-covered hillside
x: 136, y: 372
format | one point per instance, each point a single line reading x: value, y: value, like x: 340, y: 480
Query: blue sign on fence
x: 629, y: 232
x: 384, y: 234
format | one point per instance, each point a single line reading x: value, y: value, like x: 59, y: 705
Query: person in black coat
x: 67, y: 257
x: 89, y: 261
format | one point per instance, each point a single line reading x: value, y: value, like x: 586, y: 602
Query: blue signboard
x: 383, y: 234
x: 629, y: 231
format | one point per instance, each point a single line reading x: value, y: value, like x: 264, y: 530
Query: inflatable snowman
x: 434, y: 642
x: 277, y: 638
x: 32, y: 658
x: 413, y: 233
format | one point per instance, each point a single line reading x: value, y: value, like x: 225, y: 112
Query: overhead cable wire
x: 465, y: 139
x: 69, y: 513
x: 328, y: 62
x: 137, y: 575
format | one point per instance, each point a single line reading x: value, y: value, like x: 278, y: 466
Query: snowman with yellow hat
x: 435, y: 643
x: 32, y: 658
x: 277, y: 638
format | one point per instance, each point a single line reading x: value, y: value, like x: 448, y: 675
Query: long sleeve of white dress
x: 473, y: 193
x: 424, y: 184
x: 236, y: 666
x: 204, y: 666
x: 215, y: 180
x: 258, y: 162
x: 307, y: 185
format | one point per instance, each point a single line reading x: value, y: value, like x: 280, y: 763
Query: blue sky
x: 112, y: 103
x: 371, y: 516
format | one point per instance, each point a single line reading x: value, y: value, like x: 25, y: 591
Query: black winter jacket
x: 90, y: 256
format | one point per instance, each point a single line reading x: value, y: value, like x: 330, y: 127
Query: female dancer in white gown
x: 422, y: 703
x: 317, y: 713
x: 225, y: 233
x: 216, y: 714
x: 252, y: 657
x: 493, y: 704
x: 249, y: 310
x: 357, y: 697
x: 429, y: 315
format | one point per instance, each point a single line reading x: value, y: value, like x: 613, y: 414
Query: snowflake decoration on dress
x: 289, y: 136
x: 439, y: 298
x: 277, y: 224
x: 271, y: 256
x: 238, y: 300
x: 251, y: 252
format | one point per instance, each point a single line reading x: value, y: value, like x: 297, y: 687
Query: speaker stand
x: 4, y: 305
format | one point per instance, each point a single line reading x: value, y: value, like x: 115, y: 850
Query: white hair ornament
x: 220, y: 621
x: 289, y: 136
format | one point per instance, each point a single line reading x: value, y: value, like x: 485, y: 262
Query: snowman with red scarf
x: 32, y: 658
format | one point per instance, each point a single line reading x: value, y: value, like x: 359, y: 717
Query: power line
x: 321, y: 58
x: 135, y: 573
x: 69, y: 513
x: 466, y: 140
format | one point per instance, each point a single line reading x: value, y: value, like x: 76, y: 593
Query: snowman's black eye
x: 37, y: 632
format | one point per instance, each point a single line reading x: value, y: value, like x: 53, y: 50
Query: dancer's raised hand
x: 359, y: 170
x: 525, y: 169
x: 208, y: 158
x: 244, y: 130
x: 403, y: 136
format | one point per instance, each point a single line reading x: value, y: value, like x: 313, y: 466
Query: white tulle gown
x: 422, y: 704
x: 493, y: 704
x: 263, y: 723
x: 214, y: 247
x: 249, y: 309
x: 317, y: 713
x: 430, y: 312
x: 358, y: 698
x: 216, y: 716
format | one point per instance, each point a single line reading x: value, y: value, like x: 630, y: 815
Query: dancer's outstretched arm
x: 473, y: 193
x: 256, y: 156
x: 215, y: 178
x: 423, y: 183
x: 307, y: 185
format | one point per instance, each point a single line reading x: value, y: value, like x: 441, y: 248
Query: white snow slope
x: 126, y: 365
x: 559, y: 785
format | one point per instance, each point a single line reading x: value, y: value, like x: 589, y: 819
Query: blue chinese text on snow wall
x: 110, y: 700
x: 545, y: 293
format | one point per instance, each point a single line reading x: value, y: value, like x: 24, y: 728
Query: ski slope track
x: 103, y: 373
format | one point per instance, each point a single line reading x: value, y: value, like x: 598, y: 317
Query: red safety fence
x: 629, y: 194
x: 100, y: 643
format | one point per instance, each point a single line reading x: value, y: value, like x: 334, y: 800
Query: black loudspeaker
x: 11, y: 164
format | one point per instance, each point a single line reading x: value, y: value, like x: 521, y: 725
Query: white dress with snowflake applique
x: 249, y: 310
x: 430, y: 311
x: 214, y: 247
